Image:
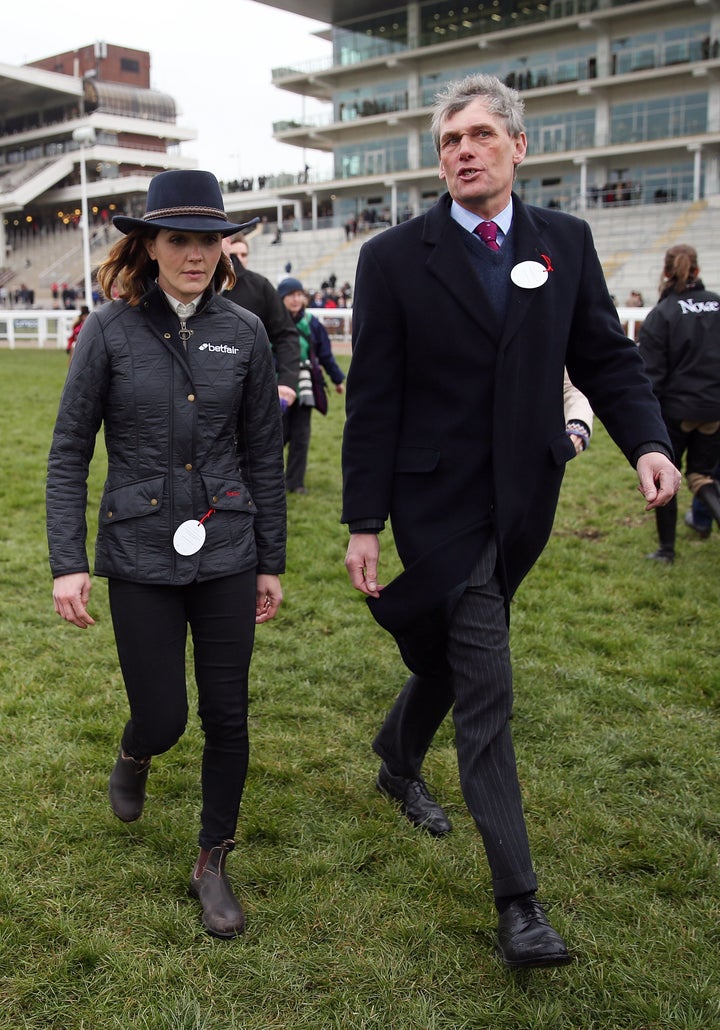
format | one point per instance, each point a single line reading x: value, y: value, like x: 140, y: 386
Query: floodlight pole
x: 85, y: 136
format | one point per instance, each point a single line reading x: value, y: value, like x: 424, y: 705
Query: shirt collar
x: 180, y: 309
x: 470, y: 221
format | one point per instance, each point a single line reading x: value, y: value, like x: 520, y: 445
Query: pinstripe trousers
x: 478, y: 688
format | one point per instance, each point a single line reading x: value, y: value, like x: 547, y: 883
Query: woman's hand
x: 268, y: 597
x: 70, y: 596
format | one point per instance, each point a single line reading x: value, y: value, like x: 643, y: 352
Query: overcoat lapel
x: 450, y: 265
x: 529, y: 246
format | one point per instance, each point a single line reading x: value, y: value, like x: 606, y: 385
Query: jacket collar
x: 448, y: 263
x: 153, y: 300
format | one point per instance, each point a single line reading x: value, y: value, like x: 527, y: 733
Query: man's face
x: 478, y: 158
x: 239, y: 248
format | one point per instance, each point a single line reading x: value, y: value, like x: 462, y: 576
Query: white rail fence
x: 40, y: 329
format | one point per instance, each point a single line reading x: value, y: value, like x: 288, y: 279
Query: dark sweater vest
x: 493, y: 271
x: 493, y: 268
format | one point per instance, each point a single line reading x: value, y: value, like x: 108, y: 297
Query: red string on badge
x: 548, y: 262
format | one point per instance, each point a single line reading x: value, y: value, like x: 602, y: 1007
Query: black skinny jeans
x: 150, y: 624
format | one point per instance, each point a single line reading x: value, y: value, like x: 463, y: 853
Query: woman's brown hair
x: 680, y: 269
x: 128, y: 270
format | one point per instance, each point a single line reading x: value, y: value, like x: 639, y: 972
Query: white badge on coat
x: 529, y: 275
x: 189, y: 537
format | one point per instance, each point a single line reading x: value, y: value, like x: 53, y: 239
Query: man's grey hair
x: 499, y: 98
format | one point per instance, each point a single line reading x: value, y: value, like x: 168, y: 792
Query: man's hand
x: 659, y: 480
x: 361, y: 562
x: 70, y: 596
x: 287, y: 394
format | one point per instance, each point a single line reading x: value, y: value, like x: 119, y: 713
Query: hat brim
x: 188, y: 223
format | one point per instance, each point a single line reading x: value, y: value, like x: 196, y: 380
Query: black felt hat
x: 190, y: 200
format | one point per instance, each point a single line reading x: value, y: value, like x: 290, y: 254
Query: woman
x: 192, y: 519
x: 680, y: 344
x: 315, y: 350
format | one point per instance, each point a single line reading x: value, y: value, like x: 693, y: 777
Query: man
x: 455, y: 430
x: 256, y: 293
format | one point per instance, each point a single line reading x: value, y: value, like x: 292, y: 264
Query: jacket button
x: 109, y: 514
x: 188, y: 467
x: 153, y: 502
x: 215, y: 500
x: 167, y: 336
x: 191, y: 397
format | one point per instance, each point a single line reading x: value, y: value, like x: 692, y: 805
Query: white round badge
x: 529, y: 275
x: 189, y: 537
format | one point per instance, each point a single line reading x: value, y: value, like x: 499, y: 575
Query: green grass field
x: 355, y: 920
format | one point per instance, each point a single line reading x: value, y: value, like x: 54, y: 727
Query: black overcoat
x: 415, y: 444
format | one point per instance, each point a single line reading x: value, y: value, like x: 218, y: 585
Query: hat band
x: 171, y: 212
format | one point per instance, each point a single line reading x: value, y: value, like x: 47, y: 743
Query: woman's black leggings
x: 150, y: 624
x: 701, y: 452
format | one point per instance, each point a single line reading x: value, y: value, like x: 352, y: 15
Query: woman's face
x: 186, y: 261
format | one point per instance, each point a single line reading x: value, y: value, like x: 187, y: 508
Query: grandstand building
x: 622, y: 111
x: 93, y: 104
x: 622, y: 97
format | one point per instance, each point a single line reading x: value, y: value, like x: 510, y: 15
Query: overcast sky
x: 215, y: 61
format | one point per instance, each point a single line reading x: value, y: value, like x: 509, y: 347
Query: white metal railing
x: 337, y: 321
x: 632, y: 319
x: 37, y: 328
x: 40, y: 327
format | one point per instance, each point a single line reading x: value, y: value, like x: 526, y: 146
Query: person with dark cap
x: 256, y: 293
x: 192, y: 520
x: 463, y: 320
x: 315, y: 354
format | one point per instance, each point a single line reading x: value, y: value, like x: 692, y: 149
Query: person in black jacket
x: 463, y: 320
x: 192, y: 519
x: 256, y: 293
x: 315, y: 354
x: 680, y: 344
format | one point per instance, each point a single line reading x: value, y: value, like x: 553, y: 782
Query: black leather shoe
x: 416, y: 802
x: 662, y: 556
x: 126, y: 788
x: 222, y: 913
x: 526, y: 939
x: 702, y: 532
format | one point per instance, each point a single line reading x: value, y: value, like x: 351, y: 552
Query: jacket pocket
x: 562, y: 449
x: 227, y: 494
x: 417, y: 459
x: 132, y: 500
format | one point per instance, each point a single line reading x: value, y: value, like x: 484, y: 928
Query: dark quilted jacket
x: 184, y: 432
